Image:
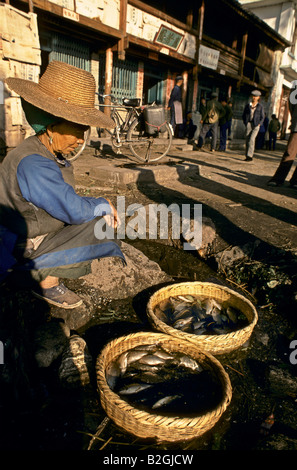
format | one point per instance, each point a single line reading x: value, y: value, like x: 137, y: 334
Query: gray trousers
x: 214, y: 129
x: 68, y: 253
x: 251, y: 134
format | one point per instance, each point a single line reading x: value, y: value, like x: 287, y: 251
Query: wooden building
x: 137, y: 48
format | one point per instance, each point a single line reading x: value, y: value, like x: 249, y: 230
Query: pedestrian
x: 210, y: 121
x: 229, y: 127
x: 260, y: 139
x: 175, y: 104
x: 288, y: 158
x: 188, y: 128
x: 48, y: 229
x: 273, y: 128
x: 253, y: 117
x: 224, y: 123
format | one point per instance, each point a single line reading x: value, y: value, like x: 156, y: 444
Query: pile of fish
x: 156, y: 380
x: 200, y: 315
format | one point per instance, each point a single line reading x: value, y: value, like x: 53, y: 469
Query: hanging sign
x: 168, y: 37
x: 71, y: 15
x: 208, y: 57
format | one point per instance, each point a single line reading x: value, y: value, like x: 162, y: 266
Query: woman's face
x: 66, y: 136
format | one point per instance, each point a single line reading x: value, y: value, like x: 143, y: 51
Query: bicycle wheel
x: 78, y: 151
x: 148, y: 148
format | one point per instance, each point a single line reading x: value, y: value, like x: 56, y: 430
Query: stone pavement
x: 233, y: 193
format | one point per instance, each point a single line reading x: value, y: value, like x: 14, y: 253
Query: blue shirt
x: 41, y: 183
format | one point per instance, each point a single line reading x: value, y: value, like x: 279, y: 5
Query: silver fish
x: 164, y: 401
x: 134, y: 388
x: 200, y: 331
x: 151, y: 359
x: 163, y: 354
x: 209, y: 304
x: 122, y: 362
x: 186, y: 298
x: 179, y: 324
x: 189, y: 362
x: 112, y: 374
x: 181, y: 313
x: 198, y: 324
x: 135, y: 356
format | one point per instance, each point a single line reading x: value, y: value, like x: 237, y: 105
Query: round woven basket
x: 215, y: 344
x: 160, y: 427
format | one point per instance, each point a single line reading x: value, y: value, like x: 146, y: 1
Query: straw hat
x: 64, y: 91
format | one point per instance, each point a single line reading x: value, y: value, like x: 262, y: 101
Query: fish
x: 182, y: 323
x: 186, y: 298
x: 163, y: 354
x: 151, y: 359
x: 122, y: 362
x: 209, y: 304
x: 135, y: 356
x: 165, y: 401
x: 134, y: 388
x: 187, y: 361
x: 112, y: 374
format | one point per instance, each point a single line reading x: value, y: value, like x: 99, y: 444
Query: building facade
x: 282, y: 17
x: 136, y: 49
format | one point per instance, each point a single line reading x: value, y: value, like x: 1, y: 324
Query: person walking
x: 175, y: 104
x: 289, y: 155
x: 210, y: 121
x: 253, y: 117
x: 273, y: 128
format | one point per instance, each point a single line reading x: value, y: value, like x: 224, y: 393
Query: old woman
x: 47, y: 229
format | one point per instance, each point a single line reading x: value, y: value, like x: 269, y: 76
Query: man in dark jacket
x: 224, y: 124
x: 253, y: 117
x: 175, y: 103
x: 289, y: 155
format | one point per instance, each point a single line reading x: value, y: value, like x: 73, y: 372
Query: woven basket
x: 215, y: 344
x: 160, y: 427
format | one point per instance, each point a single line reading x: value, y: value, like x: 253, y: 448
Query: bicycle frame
x: 131, y: 113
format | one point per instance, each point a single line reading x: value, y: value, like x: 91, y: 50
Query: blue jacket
x: 259, y: 115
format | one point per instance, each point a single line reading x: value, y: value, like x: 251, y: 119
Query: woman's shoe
x: 59, y: 296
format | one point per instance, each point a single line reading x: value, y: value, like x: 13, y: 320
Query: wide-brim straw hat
x: 64, y: 91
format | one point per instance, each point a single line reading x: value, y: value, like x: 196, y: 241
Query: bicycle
x: 130, y: 131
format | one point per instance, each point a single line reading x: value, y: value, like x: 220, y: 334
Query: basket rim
x: 189, y: 422
x: 206, y: 284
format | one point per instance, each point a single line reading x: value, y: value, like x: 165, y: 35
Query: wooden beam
x: 123, y: 27
x: 243, y: 53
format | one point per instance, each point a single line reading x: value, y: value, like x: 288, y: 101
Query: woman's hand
x: 112, y: 219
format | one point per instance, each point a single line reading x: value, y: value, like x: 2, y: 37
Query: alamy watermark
x: 153, y: 222
x: 293, y: 94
